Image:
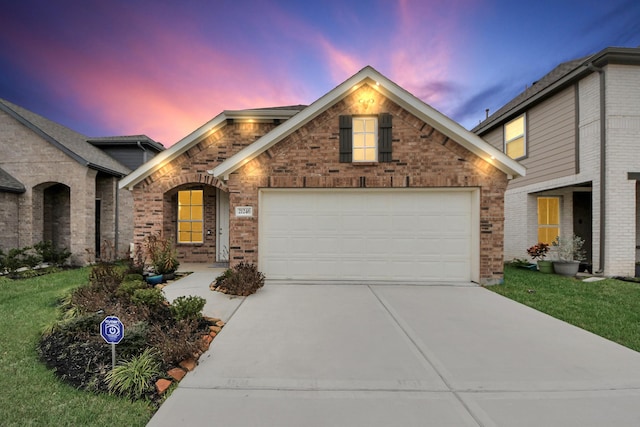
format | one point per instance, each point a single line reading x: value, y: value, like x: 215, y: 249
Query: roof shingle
x: 9, y: 183
x: 69, y: 141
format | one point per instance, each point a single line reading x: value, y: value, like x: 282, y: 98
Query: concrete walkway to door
x: 395, y: 355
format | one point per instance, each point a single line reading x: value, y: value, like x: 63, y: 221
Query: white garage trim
x: 369, y: 235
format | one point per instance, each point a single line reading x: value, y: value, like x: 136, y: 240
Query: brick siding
x: 308, y: 158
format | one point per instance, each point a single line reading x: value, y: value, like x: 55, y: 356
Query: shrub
x: 189, y: 307
x: 132, y: 277
x: 135, y: 378
x: 134, y: 340
x: 51, y: 254
x: 243, y: 279
x: 176, y: 343
x: 129, y: 288
x: 106, y: 277
x: 150, y: 297
x: 18, y: 258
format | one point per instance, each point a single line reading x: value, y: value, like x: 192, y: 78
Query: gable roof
x: 213, y: 125
x: 70, y: 142
x: 557, y: 79
x: 9, y: 184
x: 369, y: 76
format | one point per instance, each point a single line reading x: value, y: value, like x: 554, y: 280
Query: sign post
x: 112, y: 331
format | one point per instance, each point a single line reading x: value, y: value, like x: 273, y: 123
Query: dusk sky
x: 163, y: 68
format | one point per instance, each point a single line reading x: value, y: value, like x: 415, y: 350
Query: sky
x: 163, y: 68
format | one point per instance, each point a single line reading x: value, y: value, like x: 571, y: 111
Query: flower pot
x: 545, y: 266
x: 169, y: 276
x: 566, y: 268
x: 154, y: 280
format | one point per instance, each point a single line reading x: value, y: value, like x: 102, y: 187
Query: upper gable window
x: 514, y: 138
x: 365, y: 139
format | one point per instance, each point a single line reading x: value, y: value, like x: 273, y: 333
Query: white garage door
x: 394, y: 235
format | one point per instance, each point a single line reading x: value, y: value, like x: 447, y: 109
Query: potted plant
x: 162, y: 256
x: 538, y: 252
x: 569, y: 253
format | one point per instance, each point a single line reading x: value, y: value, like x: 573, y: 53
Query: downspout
x: 144, y: 151
x: 603, y: 161
x: 117, y: 221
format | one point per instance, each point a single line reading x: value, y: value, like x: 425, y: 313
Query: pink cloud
x: 167, y: 78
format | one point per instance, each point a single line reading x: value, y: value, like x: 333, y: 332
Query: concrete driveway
x: 356, y: 355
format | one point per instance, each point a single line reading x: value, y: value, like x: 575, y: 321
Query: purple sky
x: 163, y: 68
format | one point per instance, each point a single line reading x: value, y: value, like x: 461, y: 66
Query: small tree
x: 569, y: 248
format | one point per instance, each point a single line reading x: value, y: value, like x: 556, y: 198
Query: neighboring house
x: 577, y: 131
x: 56, y: 186
x: 368, y: 183
x: 130, y: 150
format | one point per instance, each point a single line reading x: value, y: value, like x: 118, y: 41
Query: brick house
x: 56, y: 186
x: 367, y: 183
x: 577, y: 131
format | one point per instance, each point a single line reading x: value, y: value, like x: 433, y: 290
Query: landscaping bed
x: 159, y: 337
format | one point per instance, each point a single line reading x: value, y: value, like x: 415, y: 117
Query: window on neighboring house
x: 548, y: 219
x: 514, y: 138
x: 365, y: 138
x: 190, y: 216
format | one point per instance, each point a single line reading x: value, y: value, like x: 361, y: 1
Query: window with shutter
x: 346, y: 145
x: 365, y: 138
x: 384, y: 137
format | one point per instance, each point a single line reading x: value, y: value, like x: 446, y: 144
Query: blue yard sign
x: 112, y: 330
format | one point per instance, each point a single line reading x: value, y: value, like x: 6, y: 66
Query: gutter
x: 116, y: 237
x: 603, y: 161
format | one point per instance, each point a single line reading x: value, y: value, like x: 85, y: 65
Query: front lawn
x: 30, y: 394
x: 609, y: 308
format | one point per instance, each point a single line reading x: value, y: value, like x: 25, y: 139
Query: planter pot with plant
x: 569, y: 253
x: 538, y: 252
x: 162, y: 256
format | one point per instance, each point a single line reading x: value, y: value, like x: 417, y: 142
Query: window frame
x: 365, y: 148
x: 190, y: 220
x: 522, y: 135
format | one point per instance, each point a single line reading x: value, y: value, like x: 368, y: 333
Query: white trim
x: 389, y: 89
x: 222, y: 226
x: 167, y: 156
x: 375, y: 147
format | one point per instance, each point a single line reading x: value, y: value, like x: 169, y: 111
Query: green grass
x: 609, y: 308
x: 30, y: 394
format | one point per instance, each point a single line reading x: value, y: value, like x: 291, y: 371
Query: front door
x: 582, y: 221
x: 222, y: 226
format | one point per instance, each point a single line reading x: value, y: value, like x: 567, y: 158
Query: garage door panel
x: 388, y: 235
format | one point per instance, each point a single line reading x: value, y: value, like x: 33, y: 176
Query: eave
x: 389, y: 89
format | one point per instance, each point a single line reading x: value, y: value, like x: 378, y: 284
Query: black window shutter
x: 346, y: 139
x: 384, y: 137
